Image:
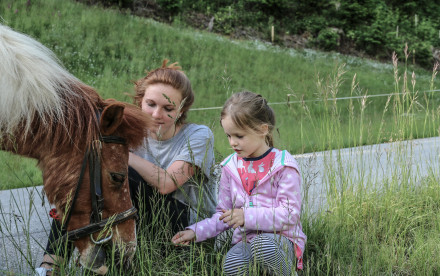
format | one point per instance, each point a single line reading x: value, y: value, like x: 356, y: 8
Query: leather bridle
x: 93, y: 158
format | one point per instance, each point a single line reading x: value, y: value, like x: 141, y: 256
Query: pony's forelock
x: 31, y: 78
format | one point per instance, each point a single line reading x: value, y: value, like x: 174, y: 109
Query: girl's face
x: 162, y: 102
x: 245, y: 143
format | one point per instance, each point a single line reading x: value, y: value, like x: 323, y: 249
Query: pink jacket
x: 275, y: 207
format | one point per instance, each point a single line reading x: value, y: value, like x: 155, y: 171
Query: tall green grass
x: 368, y: 226
x: 377, y: 225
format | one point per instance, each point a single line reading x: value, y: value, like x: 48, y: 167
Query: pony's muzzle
x: 95, y: 260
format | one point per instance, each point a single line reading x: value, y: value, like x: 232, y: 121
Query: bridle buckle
x: 103, y: 240
x: 97, y: 145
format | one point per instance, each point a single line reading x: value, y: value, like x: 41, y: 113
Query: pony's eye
x: 118, y: 177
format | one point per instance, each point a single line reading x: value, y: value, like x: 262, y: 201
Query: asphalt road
x: 24, y: 228
x: 25, y: 224
x: 405, y: 162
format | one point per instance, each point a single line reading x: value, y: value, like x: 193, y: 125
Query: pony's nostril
x: 98, y: 257
x: 94, y: 260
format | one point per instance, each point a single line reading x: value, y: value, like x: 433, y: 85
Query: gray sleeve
x: 198, y: 148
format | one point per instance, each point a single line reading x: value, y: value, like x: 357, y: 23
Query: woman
x: 172, y: 169
x: 177, y: 157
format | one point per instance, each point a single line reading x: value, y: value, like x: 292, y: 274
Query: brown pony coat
x: 60, y: 148
x: 48, y: 114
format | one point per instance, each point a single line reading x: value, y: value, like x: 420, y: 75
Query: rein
x: 93, y: 158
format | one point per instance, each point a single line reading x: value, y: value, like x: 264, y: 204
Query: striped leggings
x: 271, y: 252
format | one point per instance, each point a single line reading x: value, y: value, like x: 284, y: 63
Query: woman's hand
x: 183, y: 237
x: 233, y: 217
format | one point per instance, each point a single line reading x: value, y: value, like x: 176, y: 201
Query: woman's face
x: 162, y: 102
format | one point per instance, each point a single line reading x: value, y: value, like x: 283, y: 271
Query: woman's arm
x: 165, y: 181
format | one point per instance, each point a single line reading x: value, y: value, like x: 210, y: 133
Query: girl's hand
x: 183, y: 237
x: 233, y: 217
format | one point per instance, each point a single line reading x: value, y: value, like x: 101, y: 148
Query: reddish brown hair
x: 171, y: 75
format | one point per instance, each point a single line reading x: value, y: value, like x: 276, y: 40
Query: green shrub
x: 423, y: 54
x: 328, y: 39
x: 225, y: 20
x: 171, y: 7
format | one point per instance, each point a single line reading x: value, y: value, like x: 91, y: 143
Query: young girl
x: 259, y: 194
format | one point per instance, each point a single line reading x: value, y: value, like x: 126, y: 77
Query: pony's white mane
x: 31, y: 82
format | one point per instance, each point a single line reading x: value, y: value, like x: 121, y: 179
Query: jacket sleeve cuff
x: 197, y: 231
x: 251, y: 218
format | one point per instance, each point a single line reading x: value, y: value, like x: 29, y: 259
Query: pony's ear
x: 111, y: 118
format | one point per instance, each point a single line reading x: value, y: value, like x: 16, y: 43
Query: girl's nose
x: 232, y: 142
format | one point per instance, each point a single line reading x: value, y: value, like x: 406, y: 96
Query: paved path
x: 367, y: 166
x: 24, y: 228
x: 24, y: 221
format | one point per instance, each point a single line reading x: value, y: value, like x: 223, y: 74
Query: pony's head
x: 121, y: 127
x: 48, y: 114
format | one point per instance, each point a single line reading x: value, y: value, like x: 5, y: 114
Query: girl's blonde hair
x: 249, y: 111
x: 170, y: 75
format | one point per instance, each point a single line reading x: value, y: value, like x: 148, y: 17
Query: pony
x: 48, y: 114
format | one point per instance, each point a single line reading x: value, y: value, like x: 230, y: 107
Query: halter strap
x: 78, y: 185
x: 95, y: 227
x: 113, y: 139
x: 95, y: 182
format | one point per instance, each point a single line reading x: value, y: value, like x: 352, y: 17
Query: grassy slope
x: 108, y: 50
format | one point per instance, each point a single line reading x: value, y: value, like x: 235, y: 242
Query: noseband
x: 93, y: 158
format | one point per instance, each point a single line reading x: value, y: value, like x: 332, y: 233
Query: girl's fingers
x: 178, y: 237
x: 183, y: 237
x: 223, y: 215
x: 179, y: 241
x: 227, y: 219
x: 226, y: 213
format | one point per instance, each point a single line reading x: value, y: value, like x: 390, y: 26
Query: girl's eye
x: 151, y: 104
x: 167, y: 109
x: 239, y: 136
